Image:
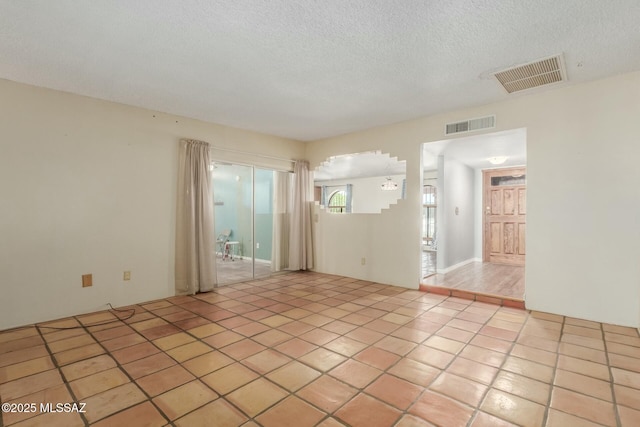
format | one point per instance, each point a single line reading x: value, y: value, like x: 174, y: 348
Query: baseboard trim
x: 458, y: 265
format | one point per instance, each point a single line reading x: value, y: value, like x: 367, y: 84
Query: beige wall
x: 583, y: 242
x: 88, y: 186
x: 455, y: 241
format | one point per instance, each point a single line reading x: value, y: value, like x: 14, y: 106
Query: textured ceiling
x: 307, y: 69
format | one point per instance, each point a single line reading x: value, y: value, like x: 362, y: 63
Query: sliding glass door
x: 263, y: 221
x: 243, y: 199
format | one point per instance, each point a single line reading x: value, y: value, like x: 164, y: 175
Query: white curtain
x: 195, y: 269
x: 282, y: 206
x: 300, y: 235
x: 324, y: 196
x: 349, y: 198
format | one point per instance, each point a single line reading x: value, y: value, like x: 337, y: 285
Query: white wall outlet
x: 126, y: 275
x: 257, y: 245
x: 363, y: 261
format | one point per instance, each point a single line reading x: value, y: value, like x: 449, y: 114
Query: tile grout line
x: 124, y: 371
x: 148, y: 340
x: 383, y: 372
x: 476, y: 409
x: 358, y: 390
x: 197, y: 378
x: 606, y: 363
x: 616, y: 411
x: 260, y: 375
x: 362, y: 389
x: 347, y: 358
x: 455, y: 357
x: 333, y: 319
x: 59, y: 368
x: 426, y: 388
x: 558, y: 354
x: 547, y: 409
x: 50, y: 355
x: 197, y: 339
x: 374, y: 299
x: 499, y: 368
x: 121, y: 367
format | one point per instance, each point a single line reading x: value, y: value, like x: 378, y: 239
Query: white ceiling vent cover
x: 470, y: 125
x: 535, y: 74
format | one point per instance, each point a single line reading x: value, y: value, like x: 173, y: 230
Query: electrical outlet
x: 257, y: 245
x: 363, y: 261
x: 87, y: 280
x: 126, y: 275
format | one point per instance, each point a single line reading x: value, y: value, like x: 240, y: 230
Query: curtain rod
x: 251, y: 154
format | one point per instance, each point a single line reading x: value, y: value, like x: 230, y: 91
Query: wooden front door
x: 505, y: 211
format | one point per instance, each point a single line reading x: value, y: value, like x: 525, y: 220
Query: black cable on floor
x: 119, y: 319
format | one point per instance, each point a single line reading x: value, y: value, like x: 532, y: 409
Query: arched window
x: 338, y: 202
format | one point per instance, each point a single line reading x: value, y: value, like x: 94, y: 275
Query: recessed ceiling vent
x: 535, y: 74
x: 470, y: 125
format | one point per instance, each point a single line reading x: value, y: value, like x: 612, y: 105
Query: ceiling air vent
x: 534, y: 74
x: 470, y: 125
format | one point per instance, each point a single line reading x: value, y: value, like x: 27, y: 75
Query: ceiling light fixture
x: 389, y: 185
x: 498, y: 160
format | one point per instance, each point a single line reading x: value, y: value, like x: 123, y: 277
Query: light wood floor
x: 495, y: 279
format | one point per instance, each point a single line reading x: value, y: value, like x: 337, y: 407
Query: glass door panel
x: 263, y: 221
x: 233, y: 200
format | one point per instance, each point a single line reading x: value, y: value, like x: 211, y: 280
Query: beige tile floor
x: 308, y: 349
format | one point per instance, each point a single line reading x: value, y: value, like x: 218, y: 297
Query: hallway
x: 483, y: 277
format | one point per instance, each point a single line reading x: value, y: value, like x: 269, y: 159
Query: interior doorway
x: 243, y: 202
x: 476, y: 249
